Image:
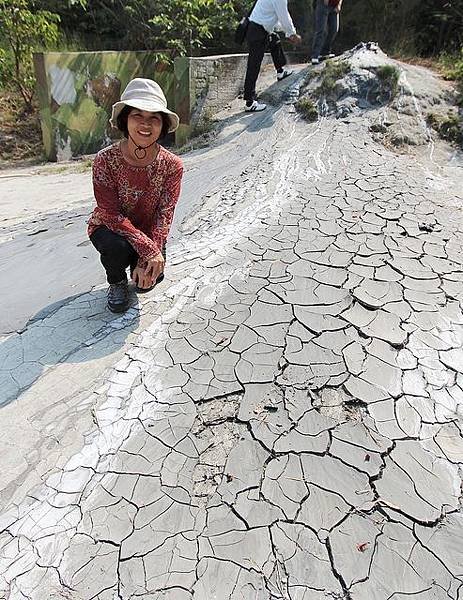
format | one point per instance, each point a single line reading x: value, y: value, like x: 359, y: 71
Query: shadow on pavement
x: 78, y: 329
x: 43, y: 263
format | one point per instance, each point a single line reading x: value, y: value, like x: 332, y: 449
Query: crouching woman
x: 136, y: 183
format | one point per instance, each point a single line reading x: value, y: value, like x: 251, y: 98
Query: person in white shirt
x: 266, y: 17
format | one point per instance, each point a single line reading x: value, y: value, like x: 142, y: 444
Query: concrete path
x: 282, y: 418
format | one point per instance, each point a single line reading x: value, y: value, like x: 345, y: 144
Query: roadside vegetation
x: 388, y: 78
x: 452, y: 69
x: 23, y: 31
x: 449, y: 126
x: 333, y: 71
x: 416, y: 28
x: 307, y: 108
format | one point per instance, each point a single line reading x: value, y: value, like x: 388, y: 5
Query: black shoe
x: 140, y: 290
x: 284, y: 73
x: 118, y: 297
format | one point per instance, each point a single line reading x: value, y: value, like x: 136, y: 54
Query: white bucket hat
x: 144, y: 94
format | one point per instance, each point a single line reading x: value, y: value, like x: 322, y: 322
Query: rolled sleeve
x: 284, y: 18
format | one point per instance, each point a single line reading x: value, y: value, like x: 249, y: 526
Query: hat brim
x: 148, y: 106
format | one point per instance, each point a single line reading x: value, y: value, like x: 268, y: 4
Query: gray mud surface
x: 282, y: 418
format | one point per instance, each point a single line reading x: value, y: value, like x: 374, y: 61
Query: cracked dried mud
x: 282, y: 418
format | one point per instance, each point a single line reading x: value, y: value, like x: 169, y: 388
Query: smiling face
x: 144, y: 127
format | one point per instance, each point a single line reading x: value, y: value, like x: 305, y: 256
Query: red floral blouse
x: 136, y: 202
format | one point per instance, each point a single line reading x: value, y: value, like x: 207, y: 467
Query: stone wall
x: 205, y: 85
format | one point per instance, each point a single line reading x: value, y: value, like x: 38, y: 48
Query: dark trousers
x: 259, y: 41
x: 326, y: 27
x: 116, y: 253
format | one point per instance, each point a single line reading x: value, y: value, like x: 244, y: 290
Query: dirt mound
x: 405, y: 104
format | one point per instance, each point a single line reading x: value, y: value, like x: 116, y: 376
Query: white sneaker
x: 327, y: 56
x: 284, y: 73
x: 315, y: 61
x: 255, y: 107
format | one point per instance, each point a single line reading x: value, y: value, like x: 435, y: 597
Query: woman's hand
x: 140, y: 279
x: 154, y: 266
x: 145, y: 274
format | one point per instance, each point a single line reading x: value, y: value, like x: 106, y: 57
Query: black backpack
x: 240, y: 31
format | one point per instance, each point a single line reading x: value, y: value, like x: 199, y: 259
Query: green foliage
x: 198, y: 26
x: 194, y: 26
x: 439, y: 26
x: 179, y: 26
x: 388, y: 22
x: 185, y: 25
x: 452, y: 67
x: 388, y: 76
x: 449, y: 126
x: 307, y: 108
x: 24, y: 30
x: 411, y: 27
x: 449, y: 64
x: 334, y: 71
x: 6, y: 66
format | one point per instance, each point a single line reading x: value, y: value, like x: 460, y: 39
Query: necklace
x: 140, y: 151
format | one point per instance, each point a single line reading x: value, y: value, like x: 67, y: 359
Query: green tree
x: 391, y: 23
x: 439, y: 26
x: 182, y: 26
x: 24, y: 30
x: 186, y: 25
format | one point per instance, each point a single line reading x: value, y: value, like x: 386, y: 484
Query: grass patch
x: 449, y: 127
x: 452, y: 69
x: 307, y: 109
x: 84, y: 165
x: 451, y: 66
x: 388, y: 76
x: 200, y: 136
x: 331, y: 74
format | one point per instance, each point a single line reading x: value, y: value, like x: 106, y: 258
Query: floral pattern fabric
x: 136, y: 202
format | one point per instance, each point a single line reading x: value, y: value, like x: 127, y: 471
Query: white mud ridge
x: 288, y: 422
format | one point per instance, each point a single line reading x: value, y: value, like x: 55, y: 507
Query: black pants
x: 259, y: 41
x: 116, y: 253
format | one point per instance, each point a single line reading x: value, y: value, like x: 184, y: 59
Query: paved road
x: 282, y: 419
